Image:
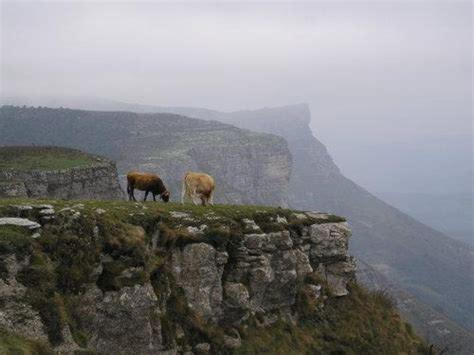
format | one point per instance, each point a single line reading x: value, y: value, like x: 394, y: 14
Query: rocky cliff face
x: 82, y: 279
x: 95, y: 179
x: 249, y: 167
x: 95, y: 182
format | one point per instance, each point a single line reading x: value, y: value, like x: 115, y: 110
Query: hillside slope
x: 249, y: 167
x: 432, y: 325
x: 149, y: 278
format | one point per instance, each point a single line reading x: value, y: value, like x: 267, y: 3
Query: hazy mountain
x: 451, y: 214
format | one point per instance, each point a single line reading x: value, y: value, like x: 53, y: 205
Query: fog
x: 389, y: 83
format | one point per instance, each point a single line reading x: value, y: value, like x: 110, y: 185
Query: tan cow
x: 199, y: 187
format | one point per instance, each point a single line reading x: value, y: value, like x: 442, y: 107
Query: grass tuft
x: 16, y: 344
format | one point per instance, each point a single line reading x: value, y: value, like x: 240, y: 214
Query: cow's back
x: 142, y: 181
x: 200, y: 182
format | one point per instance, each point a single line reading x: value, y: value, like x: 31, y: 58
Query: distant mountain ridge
x: 249, y: 167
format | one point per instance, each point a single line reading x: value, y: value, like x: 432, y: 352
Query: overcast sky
x: 389, y: 83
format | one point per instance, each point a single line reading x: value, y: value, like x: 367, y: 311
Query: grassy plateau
x: 43, y: 158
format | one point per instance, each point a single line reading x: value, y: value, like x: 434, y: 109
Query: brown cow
x: 146, y: 182
x: 199, y: 187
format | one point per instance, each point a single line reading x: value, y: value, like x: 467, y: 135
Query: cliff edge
x: 148, y: 278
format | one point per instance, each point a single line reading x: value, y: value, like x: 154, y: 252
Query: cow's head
x: 165, y: 196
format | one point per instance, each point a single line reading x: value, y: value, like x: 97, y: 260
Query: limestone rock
x: 197, y: 230
x: 177, y: 214
x: 20, y: 222
x: 46, y: 212
x: 251, y: 225
x: 16, y: 315
x: 98, y: 181
x: 329, y: 241
x: 202, y: 348
x: 197, y: 269
x: 236, y: 295
x: 248, y: 276
x: 303, y: 265
x: 122, y: 322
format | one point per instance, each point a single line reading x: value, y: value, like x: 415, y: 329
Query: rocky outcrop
x: 180, y: 280
x: 14, y: 314
x: 260, y: 272
x: 56, y: 172
x: 94, y: 182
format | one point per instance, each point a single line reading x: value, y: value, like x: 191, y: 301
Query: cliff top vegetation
x: 27, y: 158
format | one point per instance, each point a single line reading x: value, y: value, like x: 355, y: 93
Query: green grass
x: 43, y: 158
x: 361, y: 323
x: 138, y: 213
x: 17, y: 345
x: 14, y: 239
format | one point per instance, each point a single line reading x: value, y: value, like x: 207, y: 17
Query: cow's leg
x: 183, y: 191
x: 194, y: 196
x: 132, y: 194
x: 203, y: 200
x: 211, y: 198
x: 154, y: 196
x: 129, y: 191
x: 195, y: 199
x: 146, y: 195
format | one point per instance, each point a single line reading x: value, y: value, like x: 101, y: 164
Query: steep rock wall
x: 170, y: 280
x: 93, y: 182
